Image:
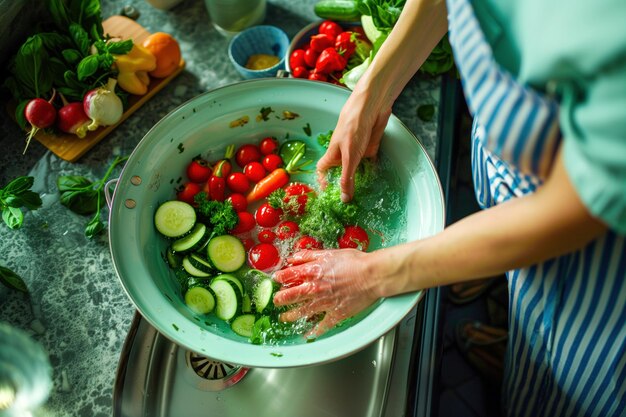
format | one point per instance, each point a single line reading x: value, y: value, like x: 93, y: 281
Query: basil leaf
x: 28, y: 65
x: 19, y: 185
x: 80, y: 37
x: 59, y: 13
x: 72, y: 183
x: 83, y: 202
x: 13, y: 217
x: 12, y: 280
x: 87, y: 66
x: 71, y: 55
x: 94, y: 227
x: 31, y: 200
x: 53, y: 41
x: 19, y: 113
x: 120, y: 47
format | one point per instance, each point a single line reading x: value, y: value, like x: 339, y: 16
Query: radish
x: 103, y: 106
x: 40, y: 114
x: 72, y: 119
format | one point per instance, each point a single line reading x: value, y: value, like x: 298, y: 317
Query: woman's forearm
x: 521, y: 232
x: 420, y: 27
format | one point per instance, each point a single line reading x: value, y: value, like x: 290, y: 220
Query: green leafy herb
x: 83, y: 196
x: 264, y: 114
x: 15, y: 195
x: 220, y: 215
x: 295, y: 154
x: 12, y: 280
x: 426, y: 112
x: 307, y: 129
x: 324, y: 138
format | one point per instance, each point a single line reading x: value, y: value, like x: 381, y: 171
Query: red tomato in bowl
x: 188, y: 192
x: 246, y: 154
x: 307, y: 242
x: 287, y: 230
x: 198, y: 170
x: 297, y: 59
x: 296, y: 197
x: 254, y: 171
x: 272, y: 162
x: 267, y: 216
x: 354, y: 237
x: 330, y: 28
x: 269, y: 145
x: 238, y: 182
x: 245, y: 224
x: 238, y: 201
x: 263, y: 256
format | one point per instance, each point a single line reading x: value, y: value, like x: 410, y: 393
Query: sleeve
x: 594, y: 132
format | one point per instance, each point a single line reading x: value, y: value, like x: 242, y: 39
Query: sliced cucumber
x: 246, y: 304
x: 228, y: 298
x: 173, y: 259
x: 174, y: 218
x: 200, y: 263
x: 226, y: 253
x: 193, y: 241
x: 262, y: 295
x: 192, y: 270
x: 242, y: 325
x: 232, y: 279
x: 200, y: 299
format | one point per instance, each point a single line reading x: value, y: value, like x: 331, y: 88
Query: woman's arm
x: 363, y: 118
x: 523, y: 231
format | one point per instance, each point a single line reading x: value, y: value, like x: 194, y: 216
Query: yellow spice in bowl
x: 261, y: 61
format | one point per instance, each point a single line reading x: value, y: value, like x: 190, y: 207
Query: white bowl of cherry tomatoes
x: 326, y: 50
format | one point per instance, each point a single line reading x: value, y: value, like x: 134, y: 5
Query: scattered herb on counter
x: 15, y: 195
x: 426, y: 112
x: 12, y: 280
x: 83, y: 196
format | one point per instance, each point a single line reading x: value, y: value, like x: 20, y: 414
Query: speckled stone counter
x: 77, y: 309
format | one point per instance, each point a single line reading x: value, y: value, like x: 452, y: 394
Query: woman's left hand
x: 334, y: 282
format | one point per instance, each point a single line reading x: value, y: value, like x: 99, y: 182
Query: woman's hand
x: 334, y: 282
x: 357, y: 135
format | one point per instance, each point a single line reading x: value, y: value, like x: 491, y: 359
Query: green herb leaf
x: 87, y: 66
x: 59, y: 13
x: 83, y: 201
x: 71, y: 55
x: 13, y: 217
x: 12, y: 280
x: 324, y: 138
x: 18, y: 185
x: 120, y: 47
x: 72, y: 183
x: 94, y: 227
x: 80, y: 37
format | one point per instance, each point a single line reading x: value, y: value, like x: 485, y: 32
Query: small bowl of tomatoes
x: 326, y: 50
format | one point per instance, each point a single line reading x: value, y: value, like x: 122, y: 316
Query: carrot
x: 272, y: 182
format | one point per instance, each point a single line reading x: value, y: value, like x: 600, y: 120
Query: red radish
x: 354, y: 237
x: 272, y: 182
x: 72, y: 119
x: 329, y: 61
x: 321, y: 41
x: 40, y: 114
x: 346, y: 42
x: 103, y: 106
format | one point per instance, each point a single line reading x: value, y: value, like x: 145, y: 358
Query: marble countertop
x: 77, y: 309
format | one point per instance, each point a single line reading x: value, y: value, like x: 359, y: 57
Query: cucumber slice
x: 173, y: 259
x: 193, y: 241
x: 242, y: 325
x: 174, y: 218
x: 200, y: 263
x: 262, y: 295
x: 192, y: 270
x: 201, y: 300
x: 228, y: 298
x: 226, y: 253
x: 246, y: 304
x: 232, y: 279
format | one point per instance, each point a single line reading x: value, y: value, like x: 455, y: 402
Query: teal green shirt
x: 576, y: 50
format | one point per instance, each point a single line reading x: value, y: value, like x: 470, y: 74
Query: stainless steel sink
x: 158, y: 378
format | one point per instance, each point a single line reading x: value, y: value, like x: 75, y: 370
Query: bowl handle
x: 107, y: 191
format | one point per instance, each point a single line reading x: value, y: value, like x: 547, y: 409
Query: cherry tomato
x: 188, y: 191
x: 246, y: 154
x: 317, y: 76
x: 266, y: 236
x: 268, y: 145
x: 198, y: 170
x: 238, y: 182
x: 267, y: 216
x: 245, y: 223
x: 296, y: 197
x: 296, y: 59
x: 248, y: 243
x: 300, y: 72
x: 287, y: 229
x: 321, y: 41
x: 330, y: 61
x: 307, y: 242
x: 310, y: 57
x: 330, y: 28
x: 217, y: 187
x: 263, y: 256
x: 354, y: 237
x: 254, y: 171
x: 238, y: 201
x: 272, y: 162
x: 346, y: 42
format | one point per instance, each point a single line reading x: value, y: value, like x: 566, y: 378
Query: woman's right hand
x: 357, y: 135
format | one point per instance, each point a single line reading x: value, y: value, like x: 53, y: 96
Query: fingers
x: 328, y: 322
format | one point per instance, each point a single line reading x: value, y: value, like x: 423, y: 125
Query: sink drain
x: 216, y: 375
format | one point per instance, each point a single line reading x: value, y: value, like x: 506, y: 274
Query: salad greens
x: 220, y: 215
x: 83, y: 196
x: 15, y: 195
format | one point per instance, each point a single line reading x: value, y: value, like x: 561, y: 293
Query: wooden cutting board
x: 71, y: 147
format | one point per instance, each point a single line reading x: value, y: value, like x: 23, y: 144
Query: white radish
x: 103, y: 106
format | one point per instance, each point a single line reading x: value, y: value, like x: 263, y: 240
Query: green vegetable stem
x: 15, y: 195
x: 84, y: 196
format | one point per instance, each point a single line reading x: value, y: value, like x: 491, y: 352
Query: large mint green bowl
x: 204, y: 125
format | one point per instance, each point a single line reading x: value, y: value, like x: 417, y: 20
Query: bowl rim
x: 274, y: 67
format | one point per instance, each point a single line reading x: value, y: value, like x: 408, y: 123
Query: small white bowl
x: 263, y: 39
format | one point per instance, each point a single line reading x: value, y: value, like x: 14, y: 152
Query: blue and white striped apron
x: 567, y: 316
